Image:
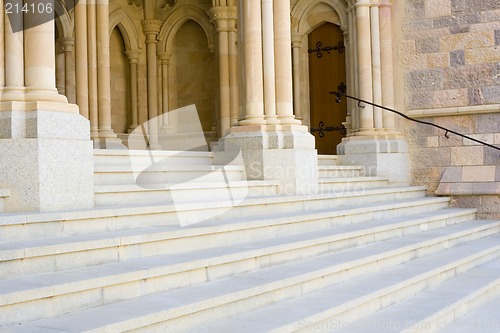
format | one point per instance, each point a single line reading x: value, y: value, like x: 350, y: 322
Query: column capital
x: 133, y: 56
x: 224, y: 17
x: 164, y: 57
x: 297, y: 39
x: 363, y: 3
x: 66, y: 43
x: 151, y: 27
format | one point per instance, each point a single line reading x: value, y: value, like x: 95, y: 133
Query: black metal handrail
x: 447, y: 130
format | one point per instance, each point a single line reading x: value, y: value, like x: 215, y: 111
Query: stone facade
x: 451, y: 60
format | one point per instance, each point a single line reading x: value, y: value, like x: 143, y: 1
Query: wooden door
x: 327, y: 71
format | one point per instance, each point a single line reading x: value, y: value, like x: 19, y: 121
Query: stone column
x: 234, y: 74
x: 376, y: 67
x: 219, y: 16
x: 46, y: 155
x: 133, y: 58
x: 364, y: 52
x: 386, y: 63
x: 165, y: 60
x: 107, y: 138
x: 254, y: 92
x: 92, y: 70
x: 14, y: 63
x: 151, y: 29
x: 296, y: 44
x: 283, y: 62
x: 81, y: 58
x: 67, y: 44
x: 268, y: 61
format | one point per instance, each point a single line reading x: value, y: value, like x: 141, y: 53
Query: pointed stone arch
x: 119, y: 19
x: 180, y: 16
x: 301, y: 14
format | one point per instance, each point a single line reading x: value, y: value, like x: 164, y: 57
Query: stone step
x: 108, y: 157
x: 109, y: 195
x: 56, y: 254
x: 169, y: 174
x: 228, y: 259
x: 483, y: 318
x: 366, y: 205
x: 359, y: 184
x: 327, y: 160
x: 339, y: 171
x: 394, y: 276
x: 438, y: 307
x: 337, y: 305
x: 4, y: 193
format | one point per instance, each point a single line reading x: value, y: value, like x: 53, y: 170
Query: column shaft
x: 252, y: 39
x: 92, y: 70
x: 268, y: 59
x: 224, y: 93
x: 364, y: 66
x: 151, y: 29
x: 81, y: 63
x: 133, y: 57
x: 14, y: 49
x: 39, y: 50
x: 103, y: 72
x: 386, y: 62
x: 234, y: 82
x: 165, y: 91
x: 283, y: 62
x: 69, y: 70
x: 296, y: 43
x: 376, y: 67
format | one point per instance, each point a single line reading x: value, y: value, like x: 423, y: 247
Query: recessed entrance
x: 327, y: 71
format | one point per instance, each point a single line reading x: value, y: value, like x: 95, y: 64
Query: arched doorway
x: 327, y: 71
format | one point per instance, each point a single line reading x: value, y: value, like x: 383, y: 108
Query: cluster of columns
x: 93, y: 88
x: 27, y: 60
x: 374, y: 67
x: 267, y: 63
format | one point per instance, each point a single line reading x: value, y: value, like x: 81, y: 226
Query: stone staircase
x: 171, y: 248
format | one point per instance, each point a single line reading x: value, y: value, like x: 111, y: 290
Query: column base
x: 47, y: 157
x: 382, y: 156
x: 275, y: 152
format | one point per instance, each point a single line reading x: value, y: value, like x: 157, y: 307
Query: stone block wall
x: 450, y: 54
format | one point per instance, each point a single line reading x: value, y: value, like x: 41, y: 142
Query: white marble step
x: 229, y: 259
x: 327, y: 159
x: 178, y: 309
x: 339, y: 171
x: 108, y: 195
x: 169, y: 174
x: 359, y: 184
x: 56, y: 254
x: 4, y: 193
x: 367, y: 205
x: 334, y: 307
x: 436, y: 308
x: 127, y: 157
x: 483, y: 318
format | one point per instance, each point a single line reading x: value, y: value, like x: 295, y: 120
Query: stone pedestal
x: 47, y: 161
x: 284, y: 153
x: 381, y: 156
